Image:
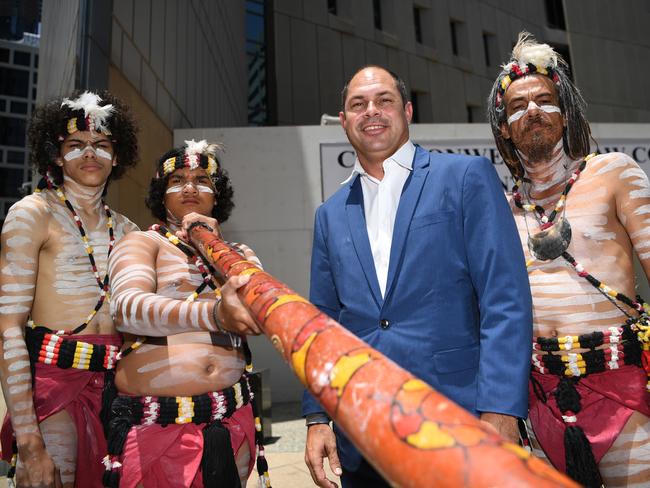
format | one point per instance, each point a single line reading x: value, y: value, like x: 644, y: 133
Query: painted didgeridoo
x: 413, y: 435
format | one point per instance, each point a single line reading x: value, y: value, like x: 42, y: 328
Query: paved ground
x: 285, y: 450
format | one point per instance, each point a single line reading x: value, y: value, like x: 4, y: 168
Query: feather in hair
x: 89, y: 103
x: 195, y: 147
x: 529, y: 51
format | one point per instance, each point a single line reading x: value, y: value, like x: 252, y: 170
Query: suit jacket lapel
x: 359, y: 234
x: 407, y: 204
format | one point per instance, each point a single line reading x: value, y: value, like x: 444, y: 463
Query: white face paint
x: 199, y: 188
x: 77, y: 153
x: 549, y: 109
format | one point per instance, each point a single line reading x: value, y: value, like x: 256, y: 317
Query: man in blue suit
x: 418, y: 255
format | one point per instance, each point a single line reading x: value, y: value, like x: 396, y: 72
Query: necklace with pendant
x: 554, y: 238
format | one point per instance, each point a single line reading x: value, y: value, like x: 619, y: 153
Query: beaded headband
x: 87, y: 114
x: 528, y: 58
x: 192, y: 156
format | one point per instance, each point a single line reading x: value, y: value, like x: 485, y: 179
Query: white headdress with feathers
x: 97, y: 114
x: 529, y: 51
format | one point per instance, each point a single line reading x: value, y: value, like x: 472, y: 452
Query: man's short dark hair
x: 399, y: 84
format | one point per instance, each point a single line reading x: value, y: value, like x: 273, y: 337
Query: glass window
x: 36, y: 61
x: 4, y: 55
x: 555, y: 14
x: 489, y: 48
x: 12, y: 131
x: 332, y: 7
x: 22, y: 58
x: 14, y: 82
x: 15, y: 157
x: 11, y: 181
x: 376, y: 7
x: 416, y: 107
x: 19, y: 107
x: 417, y: 24
x: 453, y: 27
x: 3, y: 105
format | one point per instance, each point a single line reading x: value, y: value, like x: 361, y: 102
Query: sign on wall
x: 337, y: 159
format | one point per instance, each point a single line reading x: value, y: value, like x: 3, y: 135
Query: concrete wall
x: 317, y: 51
x: 278, y: 173
x: 186, y: 58
x: 154, y: 138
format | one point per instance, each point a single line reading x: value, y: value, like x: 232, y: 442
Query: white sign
x: 337, y: 159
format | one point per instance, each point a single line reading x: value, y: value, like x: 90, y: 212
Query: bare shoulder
x: 32, y: 213
x: 34, y: 206
x: 609, y: 164
x: 139, y: 238
x: 125, y: 223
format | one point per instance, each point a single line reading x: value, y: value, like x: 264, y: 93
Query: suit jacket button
x: 384, y: 324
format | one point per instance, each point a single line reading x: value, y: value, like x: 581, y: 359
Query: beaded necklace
x: 206, y: 270
x: 547, y: 221
x: 639, y: 326
x: 101, y: 283
x: 553, y: 238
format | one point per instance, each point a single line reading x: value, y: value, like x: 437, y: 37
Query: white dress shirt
x: 380, y: 201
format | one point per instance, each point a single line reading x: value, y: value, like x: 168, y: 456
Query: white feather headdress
x: 529, y: 51
x: 97, y: 114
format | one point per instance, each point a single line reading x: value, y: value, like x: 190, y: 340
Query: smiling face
x: 537, y: 130
x: 87, y: 157
x: 374, y: 117
x: 189, y: 190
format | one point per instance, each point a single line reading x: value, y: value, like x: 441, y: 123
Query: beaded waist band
x: 48, y: 348
x: 197, y: 409
x: 623, y: 349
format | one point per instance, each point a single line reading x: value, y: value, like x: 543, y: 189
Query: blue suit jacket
x: 457, y: 298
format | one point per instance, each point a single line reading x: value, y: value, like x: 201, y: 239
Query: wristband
x: 316, y: 418
x: 198, y: 223
x: 215, y: 316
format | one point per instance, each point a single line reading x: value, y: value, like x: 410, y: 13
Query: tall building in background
x: 19, y: 40
x: 448, y: 51
x: 207, y: 63
x: 177, y: 63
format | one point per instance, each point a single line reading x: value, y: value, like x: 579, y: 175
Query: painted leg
x: 627, y: 463
x: 60, y: 436
x: 242, y: 460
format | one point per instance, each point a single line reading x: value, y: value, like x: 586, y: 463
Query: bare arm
x: 24, y: 233
x: 505, y: 425
x: 136, y: 307
x: 632, y: 194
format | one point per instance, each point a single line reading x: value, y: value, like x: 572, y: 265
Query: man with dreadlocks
x: 580, y: 217
x: 57, y: 340
x: 186, y: 364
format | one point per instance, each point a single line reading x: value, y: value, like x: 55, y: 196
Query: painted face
x: 535, y: 123
x: 189, y: 190
x: 87, y: 157
x: 375, y: 119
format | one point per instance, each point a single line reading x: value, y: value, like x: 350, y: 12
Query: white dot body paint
x: 77, y: 153
x: 549, y: 109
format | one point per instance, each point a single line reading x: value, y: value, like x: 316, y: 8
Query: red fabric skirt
x: 170, y: 457
x: 79, y: 393
x: 608, y: 399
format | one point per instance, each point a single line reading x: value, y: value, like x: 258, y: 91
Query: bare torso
x: 609, y: 212
x: 45, y: 275
x: 189, y: 364
x: 606, y: 210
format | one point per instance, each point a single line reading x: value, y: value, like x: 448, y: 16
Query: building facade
x: 449, y: 51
